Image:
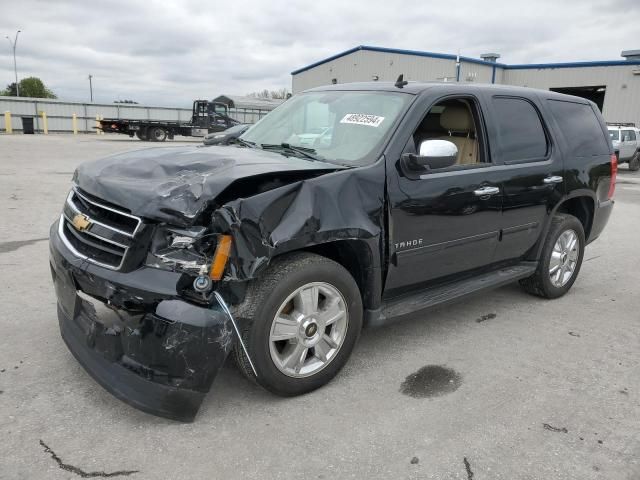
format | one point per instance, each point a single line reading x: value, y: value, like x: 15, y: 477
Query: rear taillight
x: 614, y: 174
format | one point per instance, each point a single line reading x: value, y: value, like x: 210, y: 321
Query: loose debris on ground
x: 555, y: 429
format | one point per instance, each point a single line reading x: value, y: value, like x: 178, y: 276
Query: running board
x: 451, y: 292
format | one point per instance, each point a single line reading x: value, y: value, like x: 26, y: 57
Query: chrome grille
x: 103, y: 234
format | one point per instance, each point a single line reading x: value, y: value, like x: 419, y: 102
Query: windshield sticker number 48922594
x: 362, y: 119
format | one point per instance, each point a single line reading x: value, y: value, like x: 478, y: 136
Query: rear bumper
x: 136, y: 337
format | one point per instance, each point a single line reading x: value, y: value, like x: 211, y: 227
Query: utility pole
x: 15, y: 69
x: 91, y: 88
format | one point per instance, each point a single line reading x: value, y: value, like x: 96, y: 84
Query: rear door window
x: 521, y: 135
x: 614, y: 134
x: 580, y: 128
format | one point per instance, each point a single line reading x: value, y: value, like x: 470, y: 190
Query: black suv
x: 348, y: 205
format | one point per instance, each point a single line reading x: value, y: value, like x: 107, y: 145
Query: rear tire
x: 560, y: 261
x: 634, y: 163
x: 157, y: 134
x: 142, y: 135
x: 324, y: 346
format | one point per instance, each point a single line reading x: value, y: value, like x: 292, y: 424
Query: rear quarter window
x: 520, y: 132
x: 580, y: 127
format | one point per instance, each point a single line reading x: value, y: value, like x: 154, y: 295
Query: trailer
x: 207, y: 117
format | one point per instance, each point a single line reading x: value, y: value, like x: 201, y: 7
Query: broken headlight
x: 187, y: 250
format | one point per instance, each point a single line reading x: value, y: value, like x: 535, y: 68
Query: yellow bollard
x: 7, y: 122
x: 45, y: 127
x: 74, y: 123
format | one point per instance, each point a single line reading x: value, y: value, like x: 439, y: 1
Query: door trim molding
x: 434, y: 247
x: 520, y: 228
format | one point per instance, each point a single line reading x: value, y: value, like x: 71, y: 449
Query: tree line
x: 35, y: 88
x: 281, y: 93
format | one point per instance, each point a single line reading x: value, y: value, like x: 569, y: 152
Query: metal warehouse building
x: 613, y: 85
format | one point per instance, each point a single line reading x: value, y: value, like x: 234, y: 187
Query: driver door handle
x: 553, y: 179
x: 486, y: 191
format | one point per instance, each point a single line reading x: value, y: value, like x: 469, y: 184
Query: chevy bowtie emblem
x: 81, y: 222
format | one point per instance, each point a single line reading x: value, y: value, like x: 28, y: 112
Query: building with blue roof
x: 614, y: 85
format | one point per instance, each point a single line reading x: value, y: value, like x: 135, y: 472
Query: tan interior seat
x: 457, y: 120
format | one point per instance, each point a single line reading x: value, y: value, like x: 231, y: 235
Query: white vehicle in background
x: 319, y: 137
x: 626, y: 143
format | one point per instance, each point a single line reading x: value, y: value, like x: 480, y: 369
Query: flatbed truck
x: 207, y: 117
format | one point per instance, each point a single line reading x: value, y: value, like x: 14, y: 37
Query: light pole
x: 15, y: 69
x: 91, y: 88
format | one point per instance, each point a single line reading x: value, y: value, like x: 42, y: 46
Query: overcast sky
x: 170, y: 52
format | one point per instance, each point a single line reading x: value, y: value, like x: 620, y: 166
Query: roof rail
x: 621, y: 124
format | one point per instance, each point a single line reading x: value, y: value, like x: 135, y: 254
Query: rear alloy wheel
x: 561, y: 258
x: 299, y: 322
x: 564, y: 258
x: 157, y: 134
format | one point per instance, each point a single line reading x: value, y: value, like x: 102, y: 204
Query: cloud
x: 170, y: 52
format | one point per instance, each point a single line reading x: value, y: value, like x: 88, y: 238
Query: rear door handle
x: 486, y: 191
x: 553, y: 179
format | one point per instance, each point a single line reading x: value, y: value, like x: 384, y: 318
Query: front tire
x: 301, y: 320
x: 561, y: 258
x: 634, y: 163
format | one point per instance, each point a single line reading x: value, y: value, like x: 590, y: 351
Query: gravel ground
x: 502, y: 386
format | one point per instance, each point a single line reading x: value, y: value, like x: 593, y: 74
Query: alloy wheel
x: 564, y: 258
x: 308, y: 329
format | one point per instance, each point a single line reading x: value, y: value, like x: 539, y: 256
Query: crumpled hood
x: 176, y: 184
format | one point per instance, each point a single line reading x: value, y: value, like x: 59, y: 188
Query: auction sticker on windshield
x: 362, y: 119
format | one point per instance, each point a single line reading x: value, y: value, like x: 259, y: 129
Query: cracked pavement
x: 520, y: 363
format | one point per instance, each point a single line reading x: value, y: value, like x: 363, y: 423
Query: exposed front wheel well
x: 355, y: 257
x: 582, y: 208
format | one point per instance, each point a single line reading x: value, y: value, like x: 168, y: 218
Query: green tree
x: 10, y: 91
x: 29, y: 87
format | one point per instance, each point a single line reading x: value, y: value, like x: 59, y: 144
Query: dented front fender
x: 343, y: 205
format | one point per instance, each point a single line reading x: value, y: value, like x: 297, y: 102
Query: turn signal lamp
x: 223, y: 250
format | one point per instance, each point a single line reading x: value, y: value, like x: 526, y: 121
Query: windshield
x: 340, y: 127
x: 614, y: 134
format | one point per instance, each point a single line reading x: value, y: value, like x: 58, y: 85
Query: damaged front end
x: 130, y: 311
x: 150, y: 248
x: 135, y: 334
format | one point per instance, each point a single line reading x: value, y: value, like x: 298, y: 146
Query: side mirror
x: 433, y: 154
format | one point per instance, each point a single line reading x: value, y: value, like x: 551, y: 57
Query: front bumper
x: 136, y: 337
